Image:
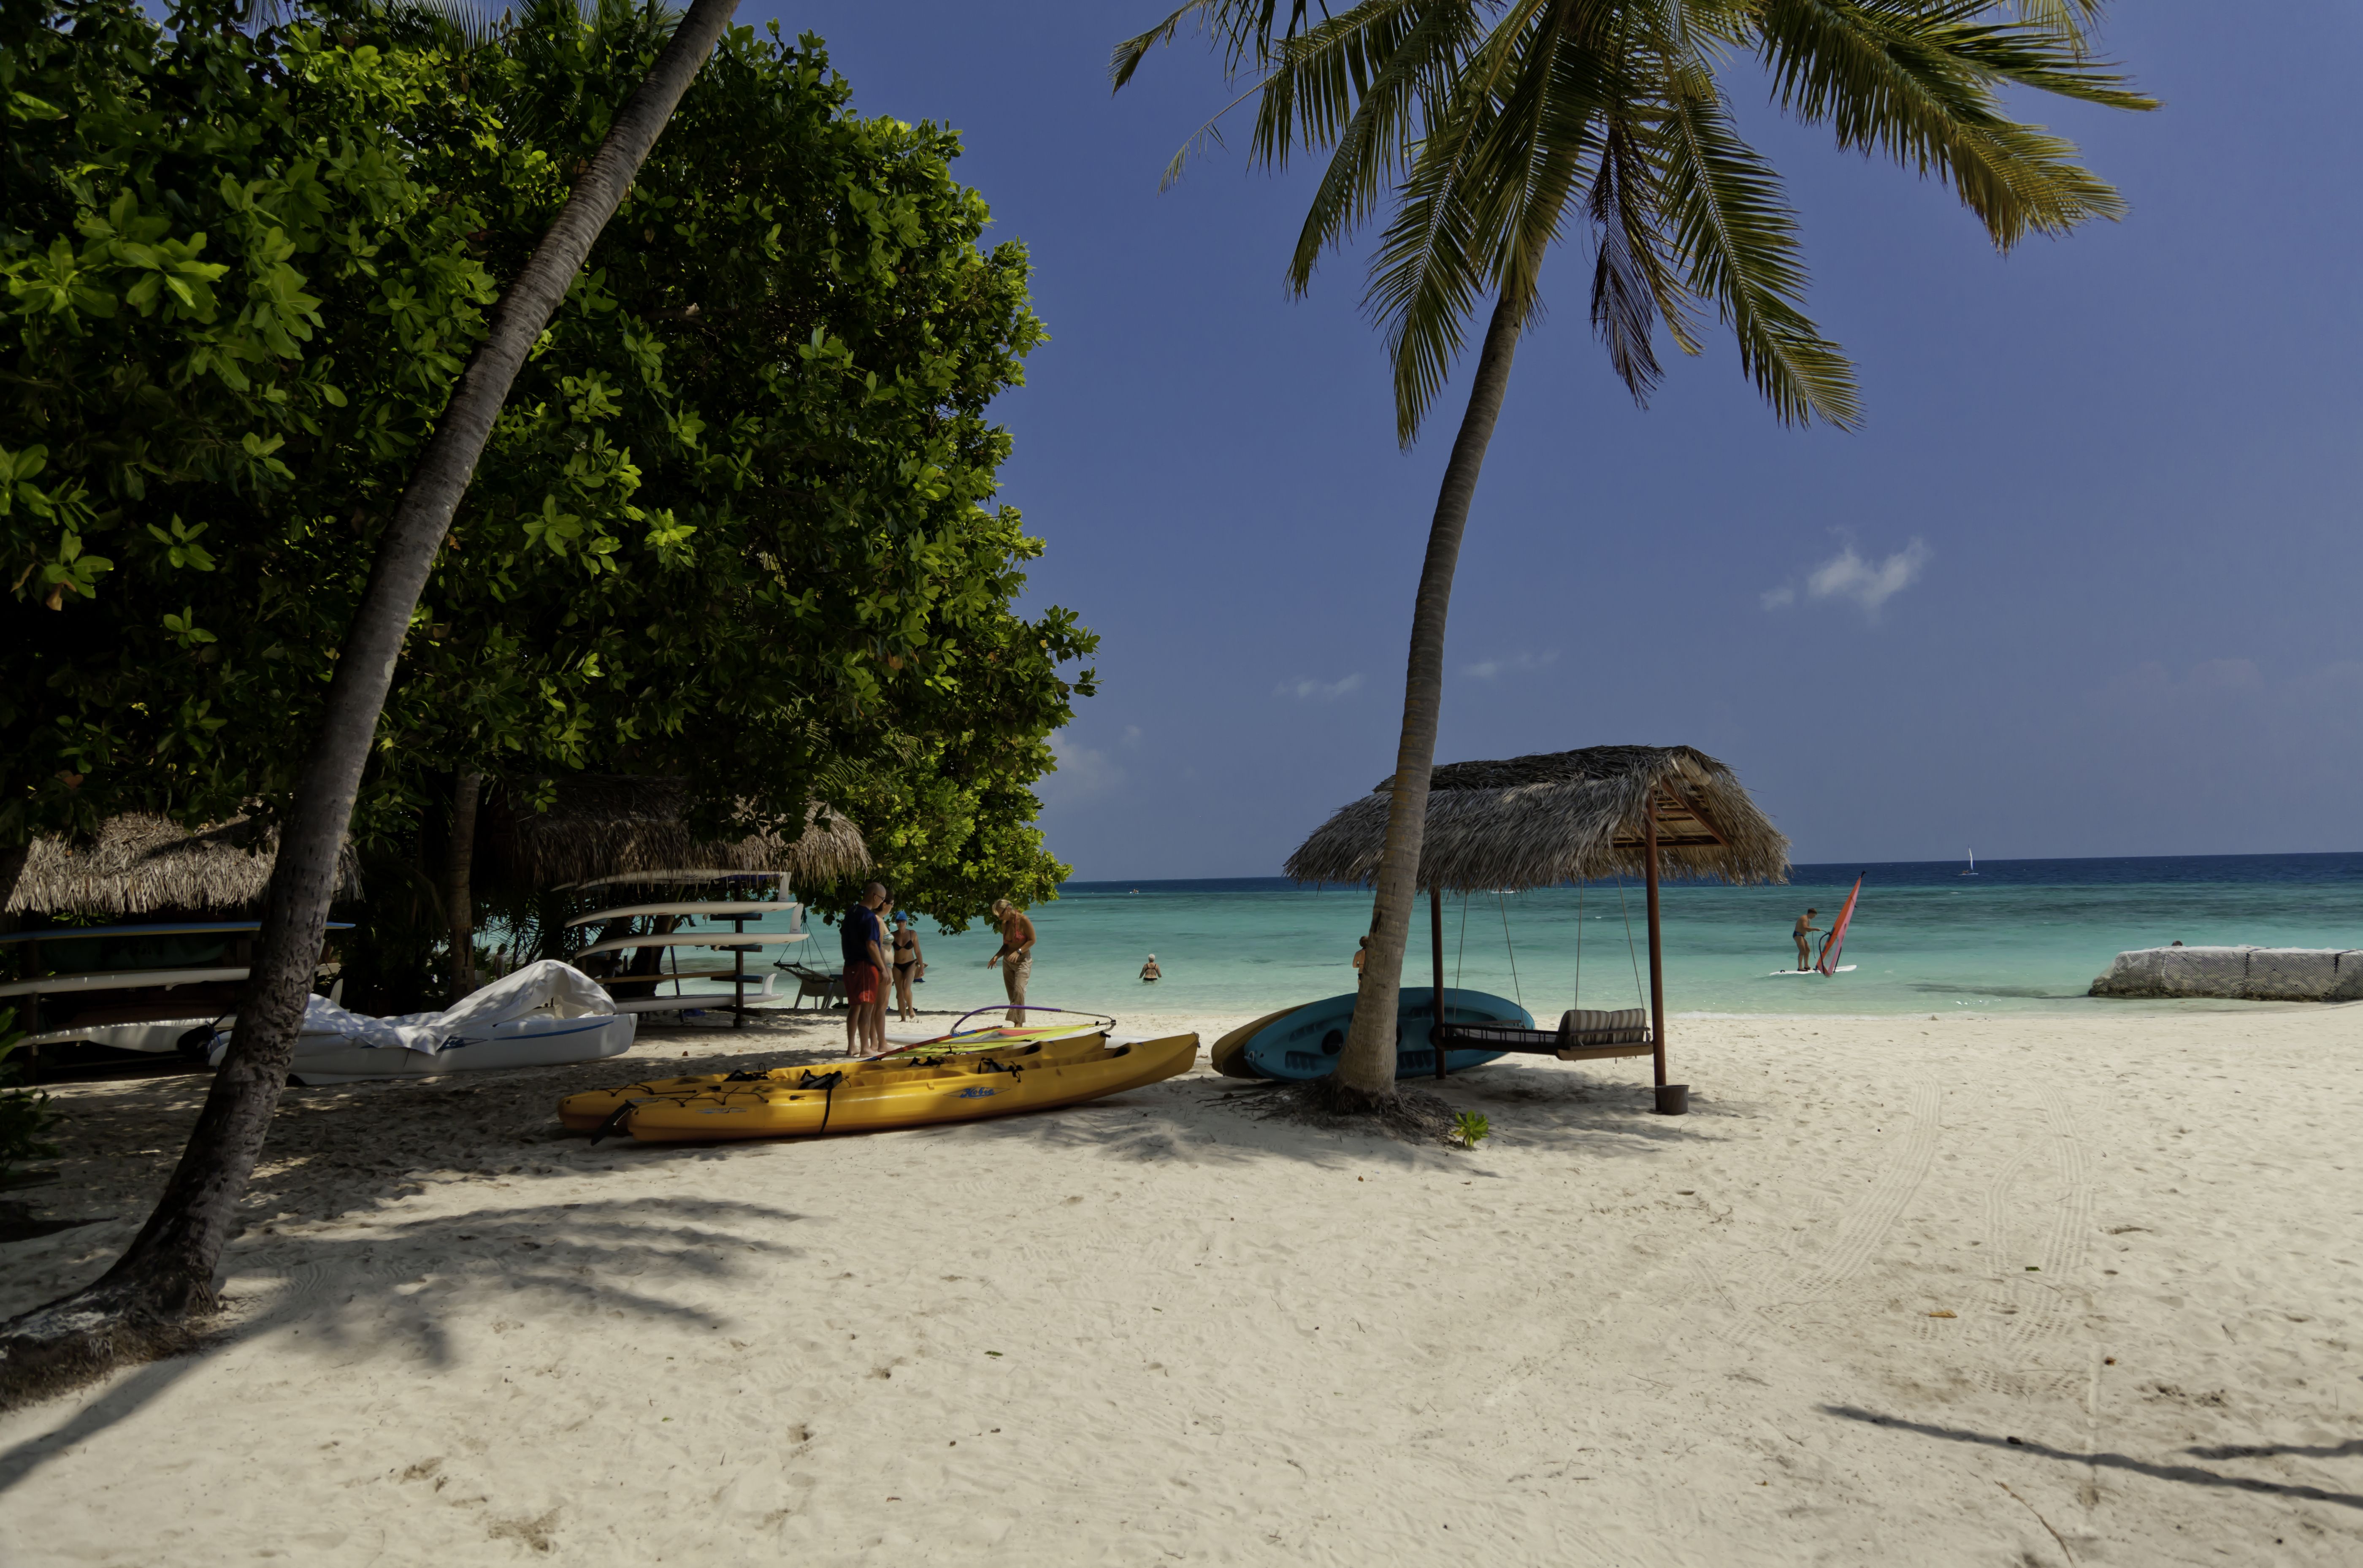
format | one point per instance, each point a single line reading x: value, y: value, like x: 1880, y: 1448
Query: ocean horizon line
x: 2012, y: 868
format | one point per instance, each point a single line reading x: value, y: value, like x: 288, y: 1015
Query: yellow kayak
x: 909, y: 1090
x: 589, y: 1110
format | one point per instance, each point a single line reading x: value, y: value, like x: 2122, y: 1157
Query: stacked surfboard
x: 1304, y: 1042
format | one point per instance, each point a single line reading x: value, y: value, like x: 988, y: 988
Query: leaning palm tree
x: 1482, y: 130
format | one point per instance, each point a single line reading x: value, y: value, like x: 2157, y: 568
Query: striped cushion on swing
x: 1594, y: 1026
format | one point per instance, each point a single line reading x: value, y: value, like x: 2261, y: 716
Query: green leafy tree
x: 736, y: 524
x: 1478, y: 132
x: 194, y: 474
x: 141, y: 1304
x: 707, y: 539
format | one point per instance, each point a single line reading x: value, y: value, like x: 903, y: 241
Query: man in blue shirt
x: 865, y: 969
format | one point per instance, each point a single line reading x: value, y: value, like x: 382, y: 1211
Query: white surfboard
x: 723, y: 910
x: 119, y: 980
x: 182, y: 928
x: 1842, y: 968
x: 700, y: 939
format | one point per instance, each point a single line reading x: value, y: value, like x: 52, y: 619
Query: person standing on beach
x: 1016, y: 957
x: 907, y: 965
x: 1804, y: 933
x: 865, y: 970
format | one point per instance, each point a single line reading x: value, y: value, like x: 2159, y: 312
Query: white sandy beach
x: 2015, y: 1291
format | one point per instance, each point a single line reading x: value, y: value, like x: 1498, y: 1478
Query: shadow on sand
x: 2188, y: 1474
x: 401, y: 1283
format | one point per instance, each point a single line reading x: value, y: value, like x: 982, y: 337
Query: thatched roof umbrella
x: 612, y: 827
x: 141, y: 865
x: 1561, y: 816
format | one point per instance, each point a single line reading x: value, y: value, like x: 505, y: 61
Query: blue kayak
x: 1301, y: 1043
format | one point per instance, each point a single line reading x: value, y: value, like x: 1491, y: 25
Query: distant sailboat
x: 1973, y: 864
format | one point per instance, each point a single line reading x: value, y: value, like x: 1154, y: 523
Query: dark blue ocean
x: 2021, y: 935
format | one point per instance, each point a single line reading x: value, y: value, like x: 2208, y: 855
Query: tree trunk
x: 140, y: 1307
x: 1368, y: 1063
x: 459, y: 890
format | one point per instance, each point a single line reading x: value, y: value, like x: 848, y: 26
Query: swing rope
x: 1629, y: 951
x: 1579, y: 944
x: 1503, y: 900
x: 1462, y: 952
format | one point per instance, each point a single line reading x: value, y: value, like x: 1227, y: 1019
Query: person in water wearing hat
x: 1150, y: 971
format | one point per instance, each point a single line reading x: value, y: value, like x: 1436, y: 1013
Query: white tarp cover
x: 546, y: 986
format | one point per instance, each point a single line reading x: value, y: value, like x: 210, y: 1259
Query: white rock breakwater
x: 2252, y: 975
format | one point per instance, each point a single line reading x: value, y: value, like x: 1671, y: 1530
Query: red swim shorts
x: 860, y: 982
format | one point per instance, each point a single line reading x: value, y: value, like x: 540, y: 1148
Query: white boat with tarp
x: 544, y: 1015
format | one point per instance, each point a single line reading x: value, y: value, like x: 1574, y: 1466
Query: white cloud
x: 1305, y: 690
x: 1850, y: 575
x: 1512, y: 663
x: 1082, y: 773
x: 1132, y: 735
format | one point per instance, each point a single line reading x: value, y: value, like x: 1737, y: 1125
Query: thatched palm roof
x: 142, y: 865
x: 1561, y: 816
x: 607, y: 826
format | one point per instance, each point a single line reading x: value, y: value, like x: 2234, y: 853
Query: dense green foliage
x: 193, y: 450
x: 735, y: 525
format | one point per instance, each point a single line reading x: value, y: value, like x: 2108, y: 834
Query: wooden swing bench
x: 1584, y: 1034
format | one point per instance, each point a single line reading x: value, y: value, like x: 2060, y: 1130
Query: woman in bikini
x: 907, y: 967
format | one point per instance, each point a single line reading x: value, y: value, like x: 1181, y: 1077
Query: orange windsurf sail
x: 1836, y: 944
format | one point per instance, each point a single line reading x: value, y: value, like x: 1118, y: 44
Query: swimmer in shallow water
x: 1150, y: 971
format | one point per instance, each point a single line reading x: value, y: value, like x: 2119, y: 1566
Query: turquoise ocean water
x: 2021, y: 936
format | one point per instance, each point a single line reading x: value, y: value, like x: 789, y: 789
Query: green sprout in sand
x: 1471, y: 1128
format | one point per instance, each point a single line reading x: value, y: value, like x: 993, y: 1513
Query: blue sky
x: 2081, y: 585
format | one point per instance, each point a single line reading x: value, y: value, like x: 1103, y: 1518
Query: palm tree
x: 140, y: 1307
x: 1481, y: 129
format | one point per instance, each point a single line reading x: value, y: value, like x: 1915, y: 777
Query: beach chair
x: 827, y: 985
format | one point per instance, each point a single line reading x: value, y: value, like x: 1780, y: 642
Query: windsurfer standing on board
x: 1804, y: 933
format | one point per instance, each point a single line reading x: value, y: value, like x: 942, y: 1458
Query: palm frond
x: 1549, y: 71
x: 2069, y: 18
x: 1371, y: 75
x: 1242, y: 29
x: 1917, y: 82
x: 1425, y: 282
x: 1627, y: 277
x: 1738, y: 238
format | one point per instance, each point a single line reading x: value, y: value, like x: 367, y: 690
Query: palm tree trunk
x: 458, y: 889
x: 1368, y: 1063
x: 139, y: 1308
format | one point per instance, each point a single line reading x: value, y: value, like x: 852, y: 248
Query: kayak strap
x: 987, y: 1064
x: 826, y: 1083
x: 745, y: 1075
x: 615, y: 1122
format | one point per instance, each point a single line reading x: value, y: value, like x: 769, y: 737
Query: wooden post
x: 1657, y: 947
x: 1435, y: 941
x: 738, y: 981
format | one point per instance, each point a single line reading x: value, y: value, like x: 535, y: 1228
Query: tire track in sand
x: 1859, y: 1233
x: 2029, y: 1310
